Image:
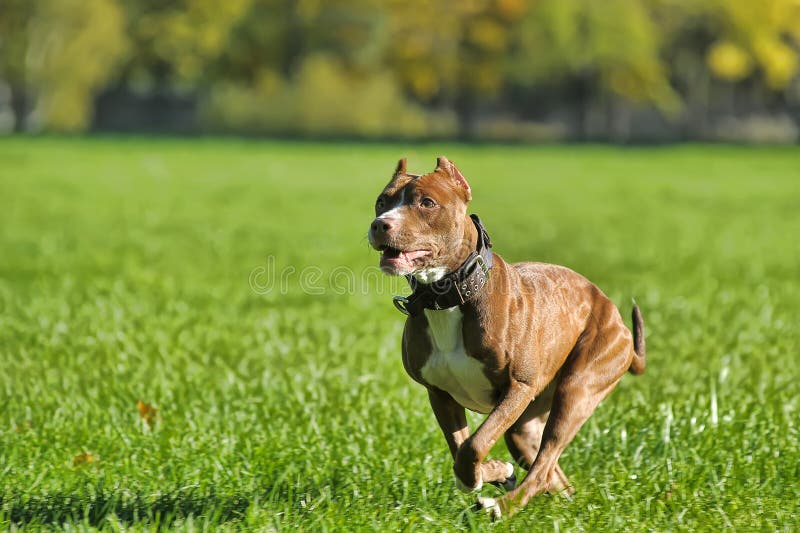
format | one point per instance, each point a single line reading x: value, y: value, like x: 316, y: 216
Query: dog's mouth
x: 397, y: 260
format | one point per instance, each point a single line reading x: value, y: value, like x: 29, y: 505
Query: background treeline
x: 489, y: 69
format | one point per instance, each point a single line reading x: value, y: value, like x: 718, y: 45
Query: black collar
x: 455, y: 288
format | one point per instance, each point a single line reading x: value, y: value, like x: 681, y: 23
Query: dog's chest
x: 450, y: 368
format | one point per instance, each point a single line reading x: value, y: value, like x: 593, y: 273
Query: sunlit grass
x: 127, y: 271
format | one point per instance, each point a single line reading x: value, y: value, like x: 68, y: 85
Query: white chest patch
x: 450, y: 368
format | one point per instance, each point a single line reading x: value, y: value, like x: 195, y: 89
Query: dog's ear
x: 442, y: 163
x: 401, y: 167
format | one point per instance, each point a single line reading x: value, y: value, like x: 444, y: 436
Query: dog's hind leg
x: 525, y: 436
x: 592, y: 370
x: 572, y: 406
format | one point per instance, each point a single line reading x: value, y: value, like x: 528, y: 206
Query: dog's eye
x: 427, y: 202
x: 380, y: 203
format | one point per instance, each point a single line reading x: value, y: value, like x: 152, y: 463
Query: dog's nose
x: 380, y: 226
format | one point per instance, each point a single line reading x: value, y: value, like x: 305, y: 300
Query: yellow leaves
x: 434, y: 50
x: 778, y: 61
x: 484, y: 77
x: 511, y: 9
x: 75, y: 47
x: 423, y: 80
x: 84, y: 459
x: 307, y: 10
x: 644, y: 82
x: 268, y: 82
x: 488, y: 34
x: 148, y: 414
x: 757, y: 36
x: 188, y: 38
x: 729, y: 61
x: 324, y: 98
x: 330, y: 101
x: 783, y: 14
x: 624, y: 83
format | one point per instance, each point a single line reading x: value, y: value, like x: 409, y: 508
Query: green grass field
x: 229, y: 284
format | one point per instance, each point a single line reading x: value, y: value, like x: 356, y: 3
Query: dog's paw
x: 489, y: 506
x: 463, y: 487
x: 511, y: 479
x: 503, y: 473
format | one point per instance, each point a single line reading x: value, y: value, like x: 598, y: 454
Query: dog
x: 534, y: 346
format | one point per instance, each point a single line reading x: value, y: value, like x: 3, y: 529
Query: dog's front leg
x: 451, y: 418
x: 468, y: 467
x: 453, y: 423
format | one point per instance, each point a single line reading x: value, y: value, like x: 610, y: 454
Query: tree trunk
x: 579, y: 96
x: 465, y: 113
x: 19, y: 106
x: 294, y: 41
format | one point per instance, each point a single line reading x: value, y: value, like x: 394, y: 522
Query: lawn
x: 229, y: 285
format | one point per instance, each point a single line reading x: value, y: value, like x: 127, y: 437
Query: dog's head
x: 421, y: 223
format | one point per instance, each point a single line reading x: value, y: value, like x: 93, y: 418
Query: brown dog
x: 534, y: 346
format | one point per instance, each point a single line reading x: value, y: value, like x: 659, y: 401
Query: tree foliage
x: 376, y: 68
x: 60, y: 53
x: 615, y: 45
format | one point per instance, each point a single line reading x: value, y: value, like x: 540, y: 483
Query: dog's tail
x: 639, y: 361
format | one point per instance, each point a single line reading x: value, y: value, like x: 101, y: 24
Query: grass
x: 136, y: 269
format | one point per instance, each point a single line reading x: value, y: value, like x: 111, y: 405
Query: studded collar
x: 455, y: 288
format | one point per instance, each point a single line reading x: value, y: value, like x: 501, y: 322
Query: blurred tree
x: 451, y: 52
x: 763, y: 35
x: 322, y: 99
x: 75, y: 48
x: 593, y: 49
x: 317, y: 68
x: 724, y: 53
x: 277, y: 35
x: 58, y: 54
x: 14, y: 18
x: 479, y: 59
x: 175, y: 41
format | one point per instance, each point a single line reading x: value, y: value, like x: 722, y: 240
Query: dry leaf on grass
x: 148, y: 413
x: 84, y: 459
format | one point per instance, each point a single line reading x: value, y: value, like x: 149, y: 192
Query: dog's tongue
x: 413, y: 254
x: 402, y: 259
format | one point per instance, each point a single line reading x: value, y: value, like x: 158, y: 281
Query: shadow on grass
x: 96, y: 510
